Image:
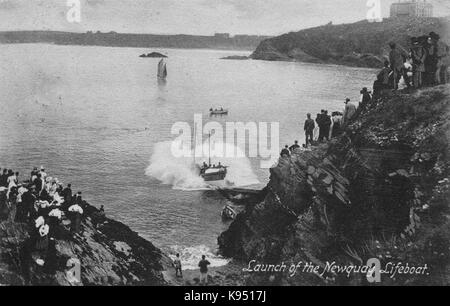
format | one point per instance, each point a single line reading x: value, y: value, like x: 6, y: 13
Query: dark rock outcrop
x: 110, y: 253
x: 153, y: 55
x: 236, y: 57
x: 378, y: 191
x: 362, y: 44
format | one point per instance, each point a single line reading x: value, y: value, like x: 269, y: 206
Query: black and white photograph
x: 246, y: 144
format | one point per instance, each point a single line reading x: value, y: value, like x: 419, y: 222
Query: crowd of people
x: 325, y: 127
x: 425, y: 64
x: 43, y: 203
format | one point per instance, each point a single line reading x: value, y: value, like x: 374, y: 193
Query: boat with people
x: 212, y: 174
x: 228, y: 213
x: 220, y: 111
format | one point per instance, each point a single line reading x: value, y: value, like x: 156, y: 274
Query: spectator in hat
x: 67, y: 195
x: 349, y: 111
x: 430, y: 60
x: 78, y: 199
x: 396, y: 59
x: 4, y: 178
x: 365, y: 97
x: 43, y: 173
x: 33, y: 174
x: 294, y: 147
x: 418, y: 56
x: 442, y: 50
x: 309, y: 130
x: 285, y: 152
x: 4, y: 209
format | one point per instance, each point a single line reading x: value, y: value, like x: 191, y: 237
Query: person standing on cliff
x: 43, y: 173
x: 177, y: 266
x: 326, y: 125
x: 349, y: 111
x: 309, y: 129
x: 336, y: 119
x: 442, y: 54
x: 320, y: 120
x: 365, y: 98
x: 418, y: 55
x: 4, y: 178
x: 383, y: 77
x: 285, y: 152
x: 203, y: 264
x: 431, y: 61
x: 4, y: 210
x: 294, y: 147
x: 77, y: 199
x: 397, y: 60
x: 33, y: 174
x: 67, y: 195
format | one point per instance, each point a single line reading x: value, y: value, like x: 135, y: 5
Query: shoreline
x: 228, y: 275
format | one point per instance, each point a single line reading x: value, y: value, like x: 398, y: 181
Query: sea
x: 98, y: 118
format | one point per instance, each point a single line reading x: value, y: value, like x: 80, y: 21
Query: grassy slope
x: 361, y: 43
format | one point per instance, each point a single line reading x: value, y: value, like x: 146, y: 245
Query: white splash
x: 181, y: 173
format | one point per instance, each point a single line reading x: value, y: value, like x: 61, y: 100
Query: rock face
x: 110, y: 253
x: 378, y: 191
x: 236, y: 57
x: 153, y: 55
x: 362, y: 44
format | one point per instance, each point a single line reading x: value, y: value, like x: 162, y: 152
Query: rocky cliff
x: 110, y: 253
x: 380, y: 190
x: 362, y: 44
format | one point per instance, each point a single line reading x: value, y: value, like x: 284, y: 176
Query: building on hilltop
x: 412, y: 8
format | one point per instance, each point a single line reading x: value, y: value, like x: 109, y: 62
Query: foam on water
x: 190, y: 256
x: 181, y: 173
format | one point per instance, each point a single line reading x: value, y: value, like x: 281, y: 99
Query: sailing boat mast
x: 162, y: 69
x: 209, y: 148
x: 195, y: 142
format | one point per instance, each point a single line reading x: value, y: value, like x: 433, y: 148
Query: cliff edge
x: 362, y: 44
x: 380, y: 190
x: 109, y: 252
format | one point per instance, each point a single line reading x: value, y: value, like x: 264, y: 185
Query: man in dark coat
x: 320, y: 120
x: 397, y: 60
x: 4, y: 209
x: 366, y: 98
x: 26, y: 210
x: 441, y: 54
x: 4, y: 178
x: 326, y: 124
x: 309, y: 130
x: 67, y: 195
x: 418, y: 55
x: 285, y: 152
x: 294, y: 147
x: 431, y: 60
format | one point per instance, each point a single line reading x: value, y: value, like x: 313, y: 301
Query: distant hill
x: 362, y: 44
x: 113, y: 39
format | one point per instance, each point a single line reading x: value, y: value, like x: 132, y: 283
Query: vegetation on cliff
x: 380, y: 191
x: 113, y: 39
x: 358, y: 44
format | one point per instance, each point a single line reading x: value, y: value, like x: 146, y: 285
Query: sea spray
x: 182, y: 173
x: 178, y: 172
x: 190, y: 256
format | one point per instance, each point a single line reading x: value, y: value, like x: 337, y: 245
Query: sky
x: 198, y: 17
